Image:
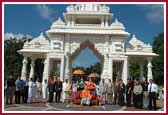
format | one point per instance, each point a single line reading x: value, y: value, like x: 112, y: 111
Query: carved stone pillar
x: 24, y: 69
x: 105, y: 73
x: 62, y: 68
x: 125, y: 71
x: 67, y: 69
x: 73, y: 21
x: 106, y: 22
x: 141, y: 72
x: 110, y: 68
x: 32, y: 68
x: 69, y: 21
x: 149, y: 66
x: 102, y: 22
x: 45, y: 71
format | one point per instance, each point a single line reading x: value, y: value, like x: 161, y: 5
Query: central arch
x: 91, y: 46
x: 86, y: 44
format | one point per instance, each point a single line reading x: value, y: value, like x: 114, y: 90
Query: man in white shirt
x: 152, y: 89
x: 65, y: 87
x: 44, y: 90
x: 102, y: 89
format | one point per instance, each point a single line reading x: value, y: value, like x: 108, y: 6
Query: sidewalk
x: 159, y: 104
x: 38, y: 106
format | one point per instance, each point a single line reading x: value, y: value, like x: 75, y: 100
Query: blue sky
x: 145, y: 21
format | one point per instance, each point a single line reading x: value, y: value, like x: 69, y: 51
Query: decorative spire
x: 58, y: 22
x: 59, y: 19
x: 118, y: 25
x: 116, y: 20
x: 41, y: 34
x: 133, y: 36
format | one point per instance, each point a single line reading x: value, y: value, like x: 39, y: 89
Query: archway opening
x: 88, y: 59
x: 117, y: 70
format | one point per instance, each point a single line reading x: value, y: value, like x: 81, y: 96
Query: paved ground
x: 67, y: 107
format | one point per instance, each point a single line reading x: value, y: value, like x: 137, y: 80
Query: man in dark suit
x: 10, y: 90
x: 121, y: 91
x: 18, y: 84
x: 51, y: 87
x: 58, y: 89
x: 128, y: 93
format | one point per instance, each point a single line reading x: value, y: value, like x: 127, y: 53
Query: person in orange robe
x: 91, y: 85
x: 86, y: 97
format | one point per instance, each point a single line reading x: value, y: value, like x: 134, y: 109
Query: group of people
x: 24, y: 91
x: 134, y: 93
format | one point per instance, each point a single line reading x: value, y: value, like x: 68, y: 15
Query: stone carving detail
x: 57, y: 45
x: 37, y: 43
x: 88, y: 8
x: 135, y: 45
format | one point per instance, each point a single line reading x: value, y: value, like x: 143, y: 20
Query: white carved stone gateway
x: 87, y: 25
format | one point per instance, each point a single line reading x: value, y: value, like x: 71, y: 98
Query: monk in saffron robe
x: 90, y: 85
x: 86, y: 97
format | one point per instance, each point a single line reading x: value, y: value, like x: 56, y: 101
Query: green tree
x: 12, y: 59
x: 158, y: 62
x: 134, y: 70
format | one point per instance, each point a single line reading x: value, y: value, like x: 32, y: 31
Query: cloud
x: 15, y: 36
x: 45, y: 11
x: 154, y: 12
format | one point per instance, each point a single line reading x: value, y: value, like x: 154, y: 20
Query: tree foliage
x: 12, y: 59
x: 158, y: 62
x: 134, y: 70
x: 96, y: 68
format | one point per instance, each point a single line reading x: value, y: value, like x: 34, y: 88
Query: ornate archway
x: 86, y: 44
x: 91, y: 46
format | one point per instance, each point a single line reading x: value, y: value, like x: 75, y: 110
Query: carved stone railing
x: 88, y: 25
x: 144, y: 49
x: 36, y: 46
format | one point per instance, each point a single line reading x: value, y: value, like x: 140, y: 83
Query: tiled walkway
x: 67, y: 107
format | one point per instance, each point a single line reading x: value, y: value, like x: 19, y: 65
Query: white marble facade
x: 92, y: 26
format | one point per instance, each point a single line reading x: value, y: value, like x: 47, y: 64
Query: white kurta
x: 65, y: 90
x: 39, y: 86
x: 34, y: 90
x: 30, y: 93
x: 102, y: 87
x: 44, y: 90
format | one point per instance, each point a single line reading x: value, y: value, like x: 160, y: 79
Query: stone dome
x: 117, y: 25
x: 58, y: 23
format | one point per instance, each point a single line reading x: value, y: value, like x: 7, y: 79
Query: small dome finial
x: 116, y: 20
x: 133, y: 36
